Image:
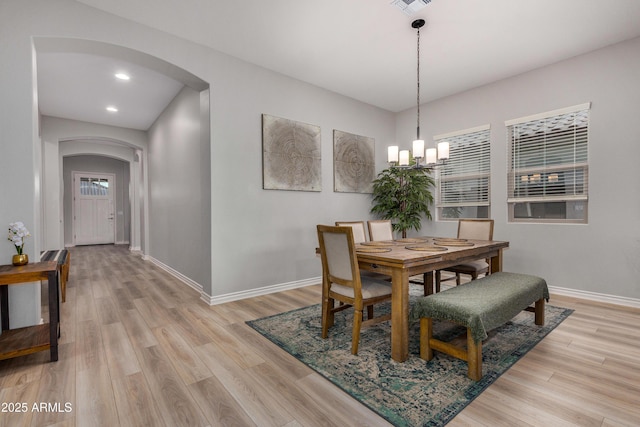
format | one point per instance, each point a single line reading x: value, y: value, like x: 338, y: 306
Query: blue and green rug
x: 413, y: 393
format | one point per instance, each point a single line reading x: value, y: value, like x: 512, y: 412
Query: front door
x: 93, y: 210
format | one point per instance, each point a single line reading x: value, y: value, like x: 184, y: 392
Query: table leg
x: 496, y: 262
x: 399, y: 315
x: 428, y: 283
x: 4, y: 306
x: 54, y: 314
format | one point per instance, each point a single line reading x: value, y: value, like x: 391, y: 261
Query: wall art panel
x: 290, y: 155
x: 353, y: 163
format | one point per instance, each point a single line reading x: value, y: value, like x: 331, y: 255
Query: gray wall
x: 602, y: 256
x: 99, y: 164
x: 180, y: 189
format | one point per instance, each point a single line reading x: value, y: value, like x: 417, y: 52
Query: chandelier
x: 431, y: 156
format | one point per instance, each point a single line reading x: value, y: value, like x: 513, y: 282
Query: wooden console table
x: 31, y: 339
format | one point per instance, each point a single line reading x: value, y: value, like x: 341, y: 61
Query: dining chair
x: 359, y: 232
x: 473, y: 229
x: 341, y: 281
x: 380, y: 229
x: 359, y: 236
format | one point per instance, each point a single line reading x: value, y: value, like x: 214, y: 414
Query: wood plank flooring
x: 139, y: 348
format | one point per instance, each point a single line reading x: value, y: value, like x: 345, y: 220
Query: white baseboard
x: 235, y: 296
x: 595, y: 296
x: 191, y: 283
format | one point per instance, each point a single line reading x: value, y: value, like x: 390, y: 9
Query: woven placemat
x: 379, y: 243
x: 452, y: 242
x: 371, y: 250
x: 410, y: 240
x: 426, y: 248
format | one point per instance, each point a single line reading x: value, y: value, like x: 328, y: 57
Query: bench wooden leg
x: 474, y: 357
x: 426, y: 333
x: 539, y: 312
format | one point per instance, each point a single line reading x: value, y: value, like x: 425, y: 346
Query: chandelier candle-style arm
x: 418, y: 148
x: 404, y: 158
x: 392, y: 154
x: 443, y: 150
x: 432, y: 155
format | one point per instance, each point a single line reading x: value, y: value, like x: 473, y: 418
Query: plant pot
x: 20, y: 259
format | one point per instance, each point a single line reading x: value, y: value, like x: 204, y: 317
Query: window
x: 548, y: 171
x: 463, y: 182
x: 94, y: 186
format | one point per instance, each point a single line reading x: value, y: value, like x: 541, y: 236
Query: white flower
x: 17, y: 234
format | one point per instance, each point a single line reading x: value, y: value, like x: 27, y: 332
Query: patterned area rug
x: 413, y: 393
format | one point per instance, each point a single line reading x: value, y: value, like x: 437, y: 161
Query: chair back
x: 380, y: 229
x: 475, y: 229
x: 339, y: 261
x: 359, y: 233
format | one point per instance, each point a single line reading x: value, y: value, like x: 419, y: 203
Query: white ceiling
x: 364, y: 49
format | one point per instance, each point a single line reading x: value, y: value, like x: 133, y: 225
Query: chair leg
x: 327, y: 315
x: 370, y: 312
x: 355, y: 335
x: 457, y: 279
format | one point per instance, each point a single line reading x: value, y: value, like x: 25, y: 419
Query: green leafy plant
x: 403, y: 195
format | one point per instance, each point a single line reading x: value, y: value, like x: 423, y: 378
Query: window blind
x: 548, y: 156
x: 464, y: 180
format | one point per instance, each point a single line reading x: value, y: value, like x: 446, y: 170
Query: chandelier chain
x: 418, y: 86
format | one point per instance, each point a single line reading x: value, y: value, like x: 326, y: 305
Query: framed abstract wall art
x: 353, y: 163
x: 291, y: 157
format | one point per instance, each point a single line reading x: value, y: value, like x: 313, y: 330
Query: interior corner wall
x: 601, y: 256
x: 180, y: 189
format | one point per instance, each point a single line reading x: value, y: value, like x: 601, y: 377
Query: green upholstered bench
x: 63, y: 258
x: 480, y: 306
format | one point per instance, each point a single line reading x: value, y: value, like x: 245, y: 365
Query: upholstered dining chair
x: 473, y: 229
x: 360, y: 236
x: 359, y: 232
x: 341, y: 281
x: 380, y: 229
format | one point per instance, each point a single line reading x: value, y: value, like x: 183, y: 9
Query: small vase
x: 20, y: 259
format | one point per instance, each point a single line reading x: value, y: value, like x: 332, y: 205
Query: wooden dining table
x: 404, y: 258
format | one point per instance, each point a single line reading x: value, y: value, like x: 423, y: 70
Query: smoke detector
x: 409, y: 7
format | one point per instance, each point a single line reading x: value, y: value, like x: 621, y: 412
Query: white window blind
x: 548, y: 156
x: 464, y: 180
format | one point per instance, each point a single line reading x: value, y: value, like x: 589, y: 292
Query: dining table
x: 403, y: 258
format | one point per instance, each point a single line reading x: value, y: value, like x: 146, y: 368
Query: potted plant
x: 403, y: 195
x: 17, y: 233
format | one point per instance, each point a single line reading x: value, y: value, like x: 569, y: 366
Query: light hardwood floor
x: 138, y: 348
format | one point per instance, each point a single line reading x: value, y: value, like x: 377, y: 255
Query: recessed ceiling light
x: 122, y: 76
x: 112, y: 109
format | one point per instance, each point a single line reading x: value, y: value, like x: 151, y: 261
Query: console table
x: 31, y: 339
